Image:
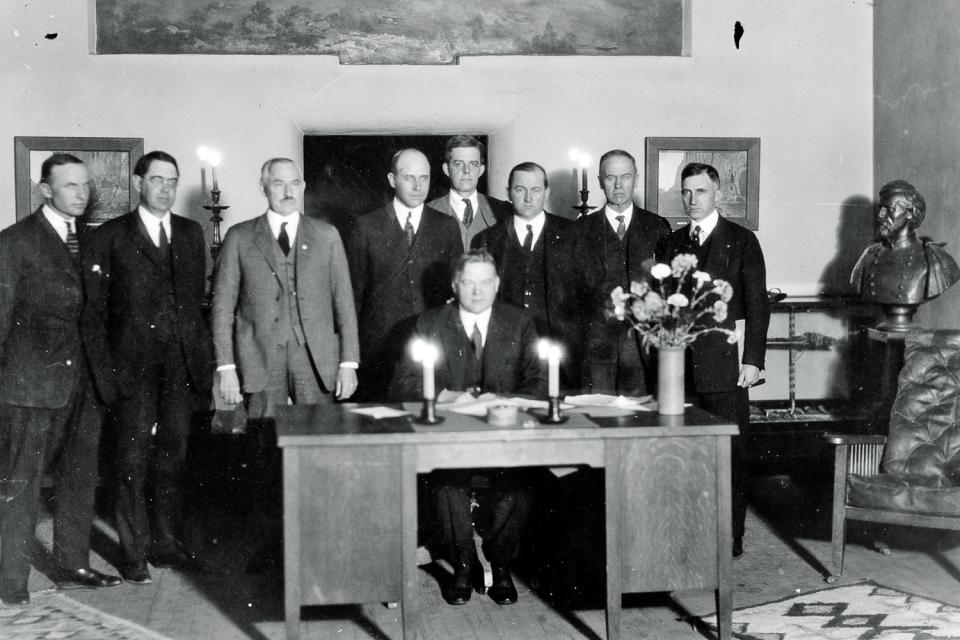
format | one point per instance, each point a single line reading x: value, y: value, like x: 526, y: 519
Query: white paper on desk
x: 478, y: 407
x: 378, y: 413
x: 609, y: 402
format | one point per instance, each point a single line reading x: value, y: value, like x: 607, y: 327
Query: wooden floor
x: 786, y: 546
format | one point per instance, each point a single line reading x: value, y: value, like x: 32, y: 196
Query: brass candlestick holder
x: 428, y: 414
x: 215, y: 208
x: 583, y: 207
x: 553, y: 415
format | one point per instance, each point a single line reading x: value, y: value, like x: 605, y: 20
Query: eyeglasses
x: 158, y: 182
x: 460, y: 165
x: 477, y: 284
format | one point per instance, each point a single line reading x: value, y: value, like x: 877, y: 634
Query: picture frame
x: 737, y: 160
x: 110, y: 163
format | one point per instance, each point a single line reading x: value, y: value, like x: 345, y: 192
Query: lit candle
x: 214, y: 157
x: 574, y: 155
x: 551, y: 353
x: 584, y: 163
x: 426, y: 354
x: 202, y: 153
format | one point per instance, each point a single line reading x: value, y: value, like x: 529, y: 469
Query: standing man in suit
x: 539, y: 272
x: 284, y: 322
x: 49, y: 417
x: 464, y: 163
x: 485, y: 346
x: 721, y: 376
x: 619, y: 241
x: 400, y: 259
x: 145, y: 275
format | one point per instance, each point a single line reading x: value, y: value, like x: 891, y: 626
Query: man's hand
x: 749, y: 376
x: 346, y: 383
x: 229, y: 386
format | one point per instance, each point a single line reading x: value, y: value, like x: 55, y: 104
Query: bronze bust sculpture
x: 902, y: 270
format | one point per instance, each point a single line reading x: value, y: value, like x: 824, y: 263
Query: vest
x: 523, y: 280
x: 164, y: 294
x: 616, y: 260
x: 291, y: 328
x: 408, y: 281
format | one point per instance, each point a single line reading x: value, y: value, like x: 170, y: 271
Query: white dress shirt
x: 458, y: 205
x: 480, y: 320
x: 275, y: 220
x: 707, y: 225
x: 536, y: 224
x: 401, y: 210
x: 57, y: 222
x: 152, y: 223
x: 612, y: 214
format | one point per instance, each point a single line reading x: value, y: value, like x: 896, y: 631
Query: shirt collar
x: 401, y: 210
x: 275, y: 220
x: 707, y: 225
x: 153, y: 223
x: 57, y: 222
x: 456, y: 202
x: 520, y: 226
x: 612, y: 214
x: 481, y: 320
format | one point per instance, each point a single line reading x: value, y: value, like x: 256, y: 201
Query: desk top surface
x: 305, y: 425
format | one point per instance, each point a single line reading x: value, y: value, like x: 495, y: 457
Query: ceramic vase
x: 670, y: 391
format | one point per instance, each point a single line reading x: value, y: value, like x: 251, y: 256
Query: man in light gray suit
x: 284, y: 322
x: 464, y: 163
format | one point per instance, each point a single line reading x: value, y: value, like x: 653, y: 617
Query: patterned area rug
x: 860, y: 611
x: 53, y: 616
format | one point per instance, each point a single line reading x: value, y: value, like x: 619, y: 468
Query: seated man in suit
x: 485, y: 346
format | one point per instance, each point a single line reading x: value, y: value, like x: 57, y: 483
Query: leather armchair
x: 911, y: 476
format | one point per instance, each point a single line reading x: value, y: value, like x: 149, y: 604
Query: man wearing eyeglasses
x: 464, y: 164
x: 145, y: 276
x: 537, y: 254
x: 485, y: 346
x: 400, y: 258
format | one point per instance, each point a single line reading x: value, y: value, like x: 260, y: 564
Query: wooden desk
x: 350, y: 500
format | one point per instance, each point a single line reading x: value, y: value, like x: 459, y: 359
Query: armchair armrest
x: 853, y: 439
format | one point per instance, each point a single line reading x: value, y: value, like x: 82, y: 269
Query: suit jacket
x: 645, y: 231
x: 564, y: 279
x: 489, y: 212
x: 247, y: 293
x: 734, y: 256
x: 392, y: 282
x: 511, y: 364
x: 41, y: 297
x: 122, y: 275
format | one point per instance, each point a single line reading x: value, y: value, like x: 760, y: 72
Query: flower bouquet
x: 675, y: 306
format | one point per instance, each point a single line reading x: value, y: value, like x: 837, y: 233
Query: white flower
x: 95, y: 268
x: 639, y: 288
x: 723, y: 289
x: 719, y: 310
x: 660, y: 271
x: 702, y: 277
x: 678, y: 300
x: 682, y: 263
x: 732, y: 338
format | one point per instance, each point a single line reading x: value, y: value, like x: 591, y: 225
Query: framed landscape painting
x: 109, y: 161
x: 737, y: 160
x: 393, y: 31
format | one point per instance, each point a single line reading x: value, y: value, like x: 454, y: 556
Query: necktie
x: 164, y: 242
x: 528, y: 240
x: 408, y: 228
x: 621, y: 228
x: 72, y: 243
x: 283, y: 239
x: 467, y: 212
x: 695, y: 235
x: 477, y: 339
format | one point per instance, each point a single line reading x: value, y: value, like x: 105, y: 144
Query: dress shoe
x: 85, y: 578
x: 135, y: 572
x: 15, y: 595
x: 458, y: 589
x: 502, y: 591
x: 178, y: 557
x: 737, y: 547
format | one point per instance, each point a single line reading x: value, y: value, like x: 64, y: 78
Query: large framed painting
x: 110, y: 163
x: 737, y: 160
x: 393, y: 31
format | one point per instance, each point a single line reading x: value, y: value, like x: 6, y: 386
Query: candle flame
x: 423, y: 352
x: 585, y: 160
x: 543, y: 348
x: 214, y: 157
x: 574, y: 154
x: 203, y: 152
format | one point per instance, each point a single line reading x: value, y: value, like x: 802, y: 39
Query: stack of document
x: 601, y: 404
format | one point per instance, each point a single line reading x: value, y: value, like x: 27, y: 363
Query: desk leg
x: 724, y: 539
x: 408, y: 475
x: 291, y: 541
x: 613, y: 487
